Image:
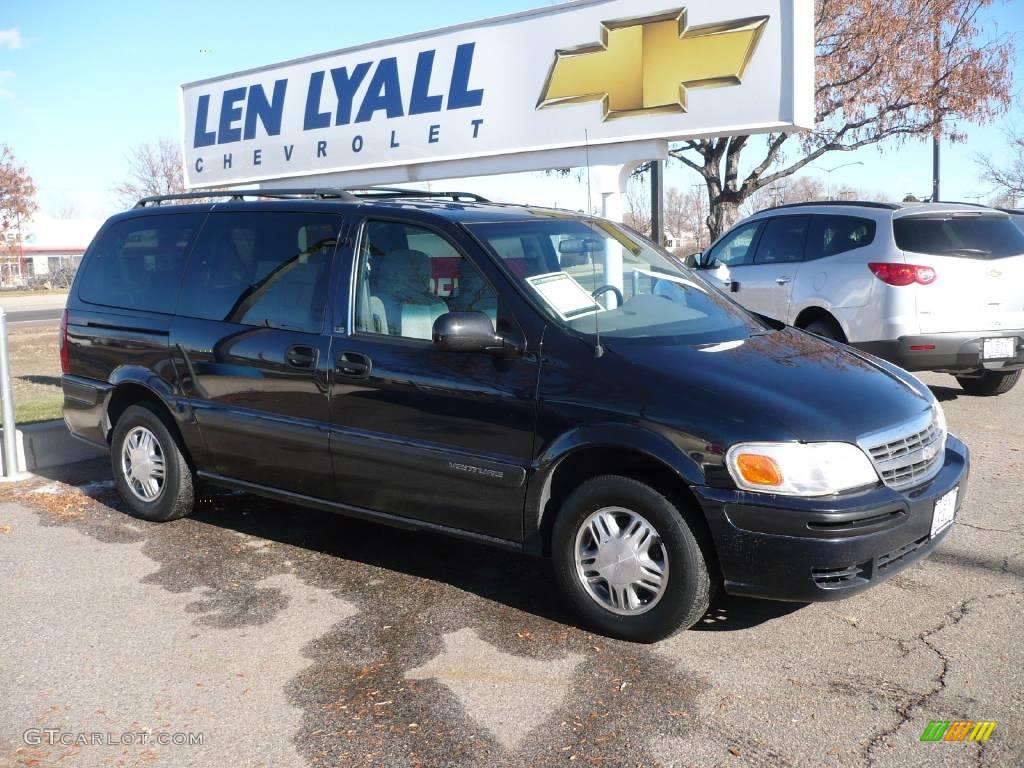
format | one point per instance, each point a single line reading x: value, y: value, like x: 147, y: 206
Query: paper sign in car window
x: 564, y: 295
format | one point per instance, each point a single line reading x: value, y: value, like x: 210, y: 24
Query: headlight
x: 940, y: 417
x: 800, y: 469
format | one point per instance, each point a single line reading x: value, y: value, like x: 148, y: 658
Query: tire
x: 826, y: 327
x: 686, y: 587
x: 150, y: 435
x: 989, y: 383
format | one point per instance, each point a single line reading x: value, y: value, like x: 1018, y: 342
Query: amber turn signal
x: 759, y: 470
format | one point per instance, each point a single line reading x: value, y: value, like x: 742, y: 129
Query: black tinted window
x: 262, y: 268
x: 137, y: 263
x: 971, y: 235
x: 782, y: 240
x: 831, y: 235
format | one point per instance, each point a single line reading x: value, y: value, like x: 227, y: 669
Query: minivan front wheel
x: 150, y: 471
x: 989, y: 382
x: 627, y: 560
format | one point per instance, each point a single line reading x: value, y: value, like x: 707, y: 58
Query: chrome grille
x: 908, y: 455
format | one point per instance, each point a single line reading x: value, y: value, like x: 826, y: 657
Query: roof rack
x: 347, y: 195
x: 858, y: 203
x: 393, y: 193
x: 241, y: 194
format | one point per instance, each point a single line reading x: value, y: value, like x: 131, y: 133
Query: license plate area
x: 999, y: 349
x: 945, y: 510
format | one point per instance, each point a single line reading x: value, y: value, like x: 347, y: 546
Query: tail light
x: 902, y: 274
x: 65, y: 359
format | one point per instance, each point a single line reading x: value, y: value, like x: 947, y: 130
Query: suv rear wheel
x: 989, y: 382
x: 627, y: 560
x: 826, y: 327
x: 150, y: 470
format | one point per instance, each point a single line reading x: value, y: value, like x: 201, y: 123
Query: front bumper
x: 945, y: 351
x: 787, y: 548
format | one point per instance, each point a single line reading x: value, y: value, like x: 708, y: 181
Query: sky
x: 83, y: 82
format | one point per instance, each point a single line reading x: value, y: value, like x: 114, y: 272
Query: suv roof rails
x: 857, y: 203
x: 396, y: 193
x: 347, y: 195
x: 240, y: 194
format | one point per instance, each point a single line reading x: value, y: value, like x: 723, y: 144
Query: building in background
x: 45, y: 252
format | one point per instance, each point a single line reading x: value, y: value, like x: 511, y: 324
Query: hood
x: 781, y: 385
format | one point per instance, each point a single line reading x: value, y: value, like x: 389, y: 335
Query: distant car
x: 930, y: 286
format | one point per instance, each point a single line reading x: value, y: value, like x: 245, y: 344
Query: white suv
x: 928, y: 286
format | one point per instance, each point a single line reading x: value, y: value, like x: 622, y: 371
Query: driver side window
x: 409, y: 276
x: 736, y: 249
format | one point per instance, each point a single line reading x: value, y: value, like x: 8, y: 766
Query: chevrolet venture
x: 527, y: 378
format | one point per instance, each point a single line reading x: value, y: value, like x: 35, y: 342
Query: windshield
x: 978, y: 236
x: 593, y: 275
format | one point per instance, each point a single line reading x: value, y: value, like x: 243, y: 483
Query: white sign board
x: 602, y: 72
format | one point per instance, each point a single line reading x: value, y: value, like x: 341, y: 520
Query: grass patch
x: 30, y: 292
x: 38, y: 409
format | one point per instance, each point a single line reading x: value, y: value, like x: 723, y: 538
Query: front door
x: 766, y: 285
x: 441, y: 437
x: 250, y: 348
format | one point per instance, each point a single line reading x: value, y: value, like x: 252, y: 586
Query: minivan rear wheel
x: 989, y: 382
x: 150, y: 470
x: 628, y: 562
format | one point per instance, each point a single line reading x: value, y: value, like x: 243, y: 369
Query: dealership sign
x: 591, y: 73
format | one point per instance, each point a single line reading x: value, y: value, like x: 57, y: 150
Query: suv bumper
x: 945, y: 351
x: 786, y: 548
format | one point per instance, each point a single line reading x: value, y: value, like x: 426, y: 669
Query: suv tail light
x: 65, y: 359
x: 902, y: 274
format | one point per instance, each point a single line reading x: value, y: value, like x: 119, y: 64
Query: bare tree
x: 66, y: 209
x: 886, y: 70
x: 1008, y: 176
x: 17, y: 201
x: 154, y: 168
x: 637, y: 206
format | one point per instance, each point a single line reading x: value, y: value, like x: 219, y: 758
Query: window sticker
x: 564, y: 295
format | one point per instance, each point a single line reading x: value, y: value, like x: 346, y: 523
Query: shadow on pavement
x: 945, y: 394
x: 729, y: 613
x: 512, y: 579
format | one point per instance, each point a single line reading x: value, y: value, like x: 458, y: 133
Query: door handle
x: 354, y: 364
x: 782, y: 280
x: 301, y: 356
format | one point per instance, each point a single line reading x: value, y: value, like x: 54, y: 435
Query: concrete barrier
x: 48, y: 444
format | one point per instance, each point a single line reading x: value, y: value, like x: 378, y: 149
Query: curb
x: 49, y: 444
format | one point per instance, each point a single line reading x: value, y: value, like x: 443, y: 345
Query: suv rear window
x: 137, y: 263
x: 832, y: 235
x: 975, y: 236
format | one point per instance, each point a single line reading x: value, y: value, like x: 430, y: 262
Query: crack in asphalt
x: 952, y: 618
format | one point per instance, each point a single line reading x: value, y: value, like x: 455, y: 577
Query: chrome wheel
x: 142, y: 462
x: 621, y: 561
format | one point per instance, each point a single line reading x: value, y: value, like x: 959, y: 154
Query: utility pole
x: 658, y: 201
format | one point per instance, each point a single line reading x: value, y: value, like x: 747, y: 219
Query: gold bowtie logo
x: 646, y: 65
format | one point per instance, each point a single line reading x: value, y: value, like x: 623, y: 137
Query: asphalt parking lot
x: 290, y: 637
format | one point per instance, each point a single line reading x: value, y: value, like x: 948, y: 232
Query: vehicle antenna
x: 598, y: 349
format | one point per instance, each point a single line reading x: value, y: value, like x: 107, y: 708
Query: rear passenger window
x: 137, y: 262
x: 831, y: 235
x: 782, y: 241
x: 262, y: 268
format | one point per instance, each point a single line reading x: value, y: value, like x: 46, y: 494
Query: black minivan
x: 529, y: 378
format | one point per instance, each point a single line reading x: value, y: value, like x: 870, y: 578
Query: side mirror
x: 467, y: 332
x: 693, y: 260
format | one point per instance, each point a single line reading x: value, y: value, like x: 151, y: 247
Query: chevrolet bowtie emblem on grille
x: 645, y: 65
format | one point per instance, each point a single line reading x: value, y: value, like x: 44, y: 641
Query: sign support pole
x: 658, y: 201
